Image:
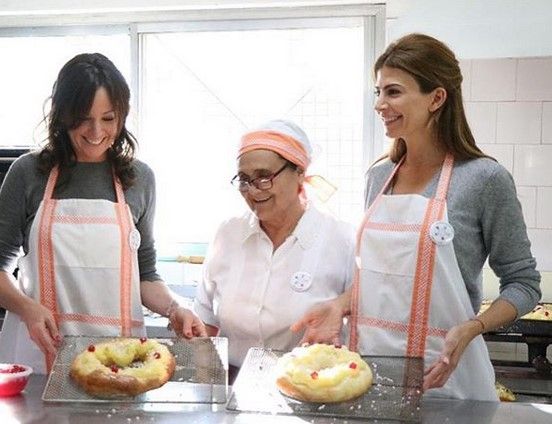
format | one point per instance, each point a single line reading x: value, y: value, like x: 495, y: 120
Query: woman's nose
x: 95, y: 129
x: 379, y: 104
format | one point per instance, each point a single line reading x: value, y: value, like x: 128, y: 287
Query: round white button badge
x: 134, y: 239
x: 441, y: 232
x: 301, y: 281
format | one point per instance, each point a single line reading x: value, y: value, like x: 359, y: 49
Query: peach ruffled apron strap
x: 123, y: 218
x: 423, y: 277
x: 355, y: 293
x: 48, y: 297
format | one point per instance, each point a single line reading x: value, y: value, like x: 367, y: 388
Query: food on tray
x: 504, y: 393
x: 542, y: 312
x: 123, y: 367
x: 323, y: 373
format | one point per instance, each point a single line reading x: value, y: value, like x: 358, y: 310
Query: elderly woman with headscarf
x: 265, y: 269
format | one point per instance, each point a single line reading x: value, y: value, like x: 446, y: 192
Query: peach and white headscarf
x: 288, y: 140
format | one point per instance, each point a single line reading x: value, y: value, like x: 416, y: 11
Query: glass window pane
x: 202, y: 90
x: 29, y: 68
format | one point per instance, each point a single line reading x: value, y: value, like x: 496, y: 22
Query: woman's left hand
x: 456, y: 341
x: 186, y: 324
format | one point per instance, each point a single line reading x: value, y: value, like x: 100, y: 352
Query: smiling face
x: 97, y: 131
x: 277, y: 203
x: 405, y: 111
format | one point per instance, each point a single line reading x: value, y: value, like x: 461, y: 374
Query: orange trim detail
x: 355, y: 294
x: 383, y: 226
x: 425, y: 263
x: 398, y: 326
x: 46, y: 267
x: 126, y: 264
x: 97, y: 320
x: 65, y: 219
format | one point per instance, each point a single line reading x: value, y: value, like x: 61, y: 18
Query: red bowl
x: 13, y: 378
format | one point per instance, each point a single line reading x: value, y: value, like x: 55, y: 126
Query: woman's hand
x: 185, y: 323
x: 42, y: 327
x: 456, y: 341
x: 322, y: 323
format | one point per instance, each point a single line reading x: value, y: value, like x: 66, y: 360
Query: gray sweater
x: 23, y: 189
x: 488, y: 223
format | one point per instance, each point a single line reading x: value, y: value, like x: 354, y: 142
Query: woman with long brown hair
x: 437, y: 209
x: 81, y: 208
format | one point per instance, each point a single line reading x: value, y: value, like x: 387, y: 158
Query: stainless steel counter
x: 29, y: 408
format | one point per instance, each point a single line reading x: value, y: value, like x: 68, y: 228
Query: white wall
x: 477, y: 29
x: 474, y: 29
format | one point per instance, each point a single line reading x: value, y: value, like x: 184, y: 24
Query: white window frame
x: 136, y: 23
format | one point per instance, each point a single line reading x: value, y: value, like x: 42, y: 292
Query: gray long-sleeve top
x: 488, y: 223
x: 23, y: 190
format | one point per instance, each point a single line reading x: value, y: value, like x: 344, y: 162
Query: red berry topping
x: 314, y: 375
x: 143, y: 339
x: 91, y: 348
x: 353, y: 365
x: 114, y: 368
x: 157, y: 355
x: 14, y: 369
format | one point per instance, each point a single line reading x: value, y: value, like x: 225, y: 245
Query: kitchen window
x: 198, y: 83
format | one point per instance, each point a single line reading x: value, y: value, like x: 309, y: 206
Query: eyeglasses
x: 260, y: 183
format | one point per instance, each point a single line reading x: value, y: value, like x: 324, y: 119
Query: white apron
x: 409, y: 290
x: 82, y: 265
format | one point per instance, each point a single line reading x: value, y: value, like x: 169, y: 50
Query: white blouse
x: 253, y: 294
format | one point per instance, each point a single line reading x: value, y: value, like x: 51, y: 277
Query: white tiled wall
x: 509, y: 108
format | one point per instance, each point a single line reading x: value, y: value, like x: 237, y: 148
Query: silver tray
x: 395, y: 395
x: 201, y: 374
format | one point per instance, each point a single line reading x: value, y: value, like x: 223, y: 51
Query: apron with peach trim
x: 408, y: 290
x: 82, y: 265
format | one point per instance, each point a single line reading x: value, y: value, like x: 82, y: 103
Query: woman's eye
x: 109, y: 118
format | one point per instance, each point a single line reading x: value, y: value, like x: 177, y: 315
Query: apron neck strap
x: 390, y: 178
x: 118, y: 188
x: 444, y: 178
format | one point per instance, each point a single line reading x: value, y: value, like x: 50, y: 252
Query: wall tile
x: 465, y: 68
x: 482, y: 120
x: 503, y: 153
x: 547, y: 122
x: 544, y: 208
x: 540, y: 247
x: 534, y: 80
x: 528, y: 199
x: 493, y: 80
x: 532, y: 165
x: 519, y: 122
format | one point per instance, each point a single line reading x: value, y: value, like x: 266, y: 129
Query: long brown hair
x: 72, y: 97
x: 432, y: 64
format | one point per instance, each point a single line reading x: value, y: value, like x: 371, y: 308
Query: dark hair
x: 71, y: 100
x: 432, y: 64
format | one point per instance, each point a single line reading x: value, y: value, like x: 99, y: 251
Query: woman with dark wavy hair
x: 437, y: 209
x: 82, y: 209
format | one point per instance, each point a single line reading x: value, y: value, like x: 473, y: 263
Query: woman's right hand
x: 323, y: 322
x: 42, y: 327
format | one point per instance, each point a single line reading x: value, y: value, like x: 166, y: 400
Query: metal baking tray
x: 395, y: 395
x: 527, y: 327
x: 201, y: 374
